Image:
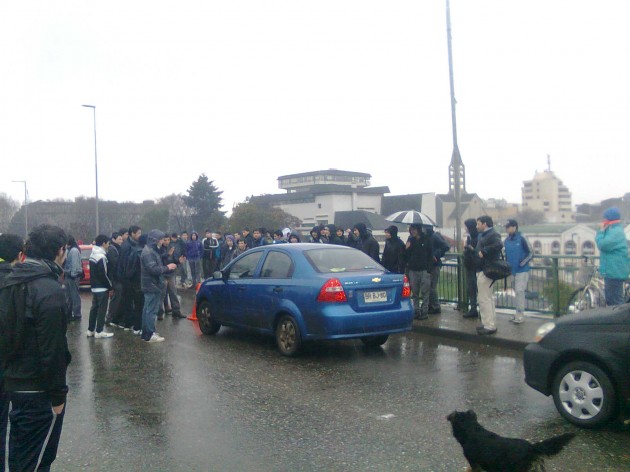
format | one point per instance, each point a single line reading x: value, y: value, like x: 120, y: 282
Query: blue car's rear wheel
x: 375, y: 341
x: 288, y: 337
x: 207, y: 324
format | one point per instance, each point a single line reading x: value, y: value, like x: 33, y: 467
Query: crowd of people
x: 134, y: 282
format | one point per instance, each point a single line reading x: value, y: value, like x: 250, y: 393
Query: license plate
x: 374, y: 297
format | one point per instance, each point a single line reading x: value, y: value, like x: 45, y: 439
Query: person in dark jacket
x: 128, y: 272
x: 100, y: 285
x: 418, y: 257
x: 194, y: 251
x: 315, y: 236
x: 469, y: 267
x: 294, y: 238
x: 113, y: 317
x: 366, y: 242
x: 11, y: 247
x: 210, y: 246
x: 393, y: 259
x: 488, y: 249
x: 152, y: 283
x: 228, y: 251
x: 73, y: 269
x: 35, y: 366
x: 440, y: 248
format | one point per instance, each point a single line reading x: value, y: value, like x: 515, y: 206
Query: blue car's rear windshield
x: 327, y: 260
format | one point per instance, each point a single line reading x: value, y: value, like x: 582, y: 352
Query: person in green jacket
x: 614, y: 265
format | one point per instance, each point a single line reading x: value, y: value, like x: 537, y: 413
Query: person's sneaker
x: 160, y: 317
x: 127, y: 328
x: 471, y: 314
x: 155, y: 338
x: 516, y: 320
x: 90, y: 333
x: 136, y: 332
x: 178, y: 315
x: 103, y: 334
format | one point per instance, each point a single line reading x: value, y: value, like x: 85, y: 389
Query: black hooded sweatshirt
x: 366, y: 242
x: 393, y: 252
x: 42, y: 358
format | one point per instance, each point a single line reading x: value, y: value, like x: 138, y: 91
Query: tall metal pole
x: 456, y: 159
x: 25, y: 207
x: 93, y: 107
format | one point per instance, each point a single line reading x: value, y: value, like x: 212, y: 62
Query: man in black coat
x: 392, y: 258
x: 488, y: 249
x: 35, y: 349
x: 365, y: 242
x: 418, y: 257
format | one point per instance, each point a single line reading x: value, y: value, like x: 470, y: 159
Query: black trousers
x: 131, y: 305
x: 98, y: 310
x: 4, y: 418
x: 35, y: 432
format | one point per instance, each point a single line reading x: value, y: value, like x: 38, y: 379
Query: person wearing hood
x: 613, y: 248
x: 228, y: 251
x: 469, y: 266
x: 341, y: 238
x: 129, y: 273
x: 440, y: 248
x: 194, y: 251
x: 100, y: 285
x: 35, y: 363
x: 365, y: 242
x: 393, y: 252
x: 315, y: 235
x: 294, y: 238
x: 152, y: 282
x: 332, y: 235
x: 418, y: 258
x: 73, y: 270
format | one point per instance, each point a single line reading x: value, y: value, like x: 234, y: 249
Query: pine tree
x: 204, y: 199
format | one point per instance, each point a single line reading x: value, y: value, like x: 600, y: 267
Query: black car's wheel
x: 207, y: 324
x: 288, y: 337
x: 584, y: 394
x: 375, y: 341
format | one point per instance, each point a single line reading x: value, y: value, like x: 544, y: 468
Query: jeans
x: 486, y: 301
x: 434, y: 301
x: 152, y: 302
x: 471, y: 288
x: 35, y: 431
x: 613, y: 289
x: 195, y: 270
x: 171, y: 295
x: 98, y: 311
x: 4, y: 418
x: 420, y: 283
x: 520, y: 285
x: 73, y: 299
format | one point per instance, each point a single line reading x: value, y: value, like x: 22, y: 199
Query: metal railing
x: 552, y: 282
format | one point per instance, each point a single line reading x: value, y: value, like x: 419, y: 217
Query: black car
x: 583, y: 360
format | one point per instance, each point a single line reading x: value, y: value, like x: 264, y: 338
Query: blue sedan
x: 302, y: 292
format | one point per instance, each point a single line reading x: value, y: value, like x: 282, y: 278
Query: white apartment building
x: 546, y: 193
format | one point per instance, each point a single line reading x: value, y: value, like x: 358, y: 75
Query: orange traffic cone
x: 193, y: 315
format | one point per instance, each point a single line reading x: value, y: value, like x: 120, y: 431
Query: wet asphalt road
x: 231, y: 402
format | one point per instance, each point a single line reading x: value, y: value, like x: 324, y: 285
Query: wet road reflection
x: 231, y: 402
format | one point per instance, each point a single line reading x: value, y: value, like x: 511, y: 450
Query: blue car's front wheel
x: 288, y: 337
x: 207, y: 324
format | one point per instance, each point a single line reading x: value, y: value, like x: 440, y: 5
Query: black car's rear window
x: 327, y: 260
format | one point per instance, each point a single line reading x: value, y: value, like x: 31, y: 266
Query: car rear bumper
x: 537, y: 362
x: 342, y: 322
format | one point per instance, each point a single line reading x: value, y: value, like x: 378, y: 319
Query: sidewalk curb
x: 492, y: 340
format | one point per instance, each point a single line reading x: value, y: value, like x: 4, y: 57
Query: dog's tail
x: 552, y: 446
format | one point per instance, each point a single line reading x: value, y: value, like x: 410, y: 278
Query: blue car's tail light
x: 332, y: 292
x: 406, y: 291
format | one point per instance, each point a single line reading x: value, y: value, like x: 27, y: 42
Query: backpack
x: 14, y: 311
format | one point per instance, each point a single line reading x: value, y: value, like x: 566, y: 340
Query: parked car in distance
x: 86, y: 250
x: 583, y: 361
x: 303, y: 292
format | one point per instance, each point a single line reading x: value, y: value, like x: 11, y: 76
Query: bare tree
x: 179, y: 214
x: 8, y: 208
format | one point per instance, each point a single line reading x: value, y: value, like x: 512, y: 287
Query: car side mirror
x: 218, y: 275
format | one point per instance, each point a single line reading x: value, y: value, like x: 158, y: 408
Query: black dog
x: 488, y: 451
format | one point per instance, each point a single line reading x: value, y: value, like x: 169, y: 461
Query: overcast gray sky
x: 246, y: 91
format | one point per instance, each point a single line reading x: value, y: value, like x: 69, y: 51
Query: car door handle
x: 277, y: 289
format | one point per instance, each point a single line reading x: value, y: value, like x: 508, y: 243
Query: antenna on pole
x: 548, y: 163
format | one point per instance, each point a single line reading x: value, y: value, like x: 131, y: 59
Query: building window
x: 570, y: 248
x: 588, y: 248
x: 319, y: 205
x: 555, y: 248
x: 537, y: 248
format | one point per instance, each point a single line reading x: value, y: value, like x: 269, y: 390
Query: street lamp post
x: 93, y: 107
x: 25, y: 207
